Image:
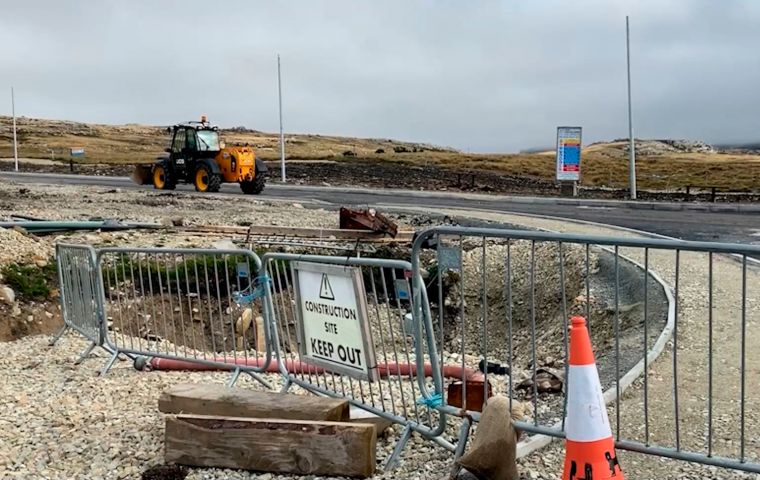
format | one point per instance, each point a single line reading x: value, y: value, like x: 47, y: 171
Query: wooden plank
x: 280, y: 446
x: 296, y: 232
x: 362, y: 416
x: 223, y: 401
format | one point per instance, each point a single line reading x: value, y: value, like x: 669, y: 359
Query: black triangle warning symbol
x: 325, y: 290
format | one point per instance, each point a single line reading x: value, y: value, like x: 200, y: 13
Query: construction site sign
x: 332, y: 323
x: 569, y: 154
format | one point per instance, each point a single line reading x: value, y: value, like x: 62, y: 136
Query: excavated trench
x: 612, y: 295
x: 479, y: 293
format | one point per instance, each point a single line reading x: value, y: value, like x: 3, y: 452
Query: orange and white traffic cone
x: 589, y: 446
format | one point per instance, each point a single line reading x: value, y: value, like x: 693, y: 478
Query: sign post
x: 282, y: 136
x: 15, y: 141
x: 332, y: 321
x: 569, y: 157
x: 75, y: 152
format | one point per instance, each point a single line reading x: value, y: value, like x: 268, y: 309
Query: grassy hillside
x: 604, y: 164
x: 142, y: 143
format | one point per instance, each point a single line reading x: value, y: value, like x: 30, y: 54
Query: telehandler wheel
x: 206, y: 181
x: 163, y: 178
x: 253, y: 187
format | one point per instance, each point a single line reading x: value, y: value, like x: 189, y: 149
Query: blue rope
x: 432, y: 402
x: 258, y: 291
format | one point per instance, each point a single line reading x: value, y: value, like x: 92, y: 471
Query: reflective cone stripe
x: 589, y: 446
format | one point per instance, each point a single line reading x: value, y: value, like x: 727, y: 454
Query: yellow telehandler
x: 196, y: 156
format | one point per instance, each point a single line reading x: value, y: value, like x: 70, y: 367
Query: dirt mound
x: 486, y: 302
x: 18, y: 248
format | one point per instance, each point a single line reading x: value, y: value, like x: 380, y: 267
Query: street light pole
x: 15, y: 142
x: 282, y: 136
x: 632, y: 143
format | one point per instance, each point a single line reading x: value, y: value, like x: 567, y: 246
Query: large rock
x: 494, y: 449
x: 7, y: 294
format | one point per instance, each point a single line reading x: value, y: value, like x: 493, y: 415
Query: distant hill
x: 751, y: 147
x: 134, y: 143
x: 661, y: 163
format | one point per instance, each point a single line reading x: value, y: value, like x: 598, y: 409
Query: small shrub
x: 31, y: 282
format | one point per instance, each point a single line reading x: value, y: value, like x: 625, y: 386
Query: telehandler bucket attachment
x: 141, y: 175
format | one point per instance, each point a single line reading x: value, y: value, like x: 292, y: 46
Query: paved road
x: 686, y: 224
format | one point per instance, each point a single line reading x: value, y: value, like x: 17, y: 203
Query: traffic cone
x: 589, y: 446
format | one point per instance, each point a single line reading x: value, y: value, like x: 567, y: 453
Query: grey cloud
x: 477, y: 75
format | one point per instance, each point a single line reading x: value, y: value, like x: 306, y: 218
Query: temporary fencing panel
x: 399, y: 351
x: 81, y: 302
x: 196, y: 305
x: 502, y: 299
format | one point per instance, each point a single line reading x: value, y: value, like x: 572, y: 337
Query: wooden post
x: 220, y: 400
x: 279, y: 446
x: 261, y: 343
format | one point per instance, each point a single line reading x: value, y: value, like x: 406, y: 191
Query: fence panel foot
x: 260, y: 379
x: 393, y: 459
x: 286, y: 387
x: 86, y: 353
x: 234, y: 378
x: 464, y: 434
x: 109, y: 364
x: 58, y: 335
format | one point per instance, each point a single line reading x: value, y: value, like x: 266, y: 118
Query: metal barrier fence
x: 81, y: 303
x: 195, y: 305
x: 401, y: 353
x: 501, y: 302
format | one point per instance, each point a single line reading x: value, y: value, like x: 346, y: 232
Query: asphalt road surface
x: 685, y: 224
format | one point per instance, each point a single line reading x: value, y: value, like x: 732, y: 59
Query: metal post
x: 15, y: 142
x: 632, y: 146
x: 282, y: 137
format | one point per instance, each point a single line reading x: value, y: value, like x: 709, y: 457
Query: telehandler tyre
x: 205, y: 180
x: 253, y: 187
x: 163, y: 178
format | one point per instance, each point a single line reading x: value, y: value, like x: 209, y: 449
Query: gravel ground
x: 113, y: 430
x: 62, y: 202
x: 62, y: 421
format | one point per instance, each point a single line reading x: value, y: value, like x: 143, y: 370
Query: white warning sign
x: 332, y: 319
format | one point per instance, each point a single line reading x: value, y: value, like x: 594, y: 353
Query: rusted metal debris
x: 547, y: 380
x: 369, y: 219
x: 476, y: 394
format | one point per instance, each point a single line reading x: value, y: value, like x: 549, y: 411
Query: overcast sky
x: 482, y: 76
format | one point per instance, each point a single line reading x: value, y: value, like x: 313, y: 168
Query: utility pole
x: 15, y: 142
x: 632, y: 143
x: 282, y: 136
